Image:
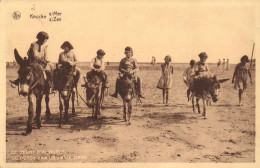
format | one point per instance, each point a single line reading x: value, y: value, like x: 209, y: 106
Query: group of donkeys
x: 32, y: 82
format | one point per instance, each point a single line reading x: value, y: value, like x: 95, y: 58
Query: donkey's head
x: 214, y: 88
x: 25, y: 74
x: 63, y: 79
x: 127, y: 88
x: 93, y: 88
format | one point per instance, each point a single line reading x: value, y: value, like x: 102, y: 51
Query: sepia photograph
x: 127, y: 83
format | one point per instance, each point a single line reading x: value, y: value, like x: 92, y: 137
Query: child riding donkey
x: 129, y: 65
x: 38, y: 53
x: 97, y: 64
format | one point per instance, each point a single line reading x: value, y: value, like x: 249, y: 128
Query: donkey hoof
x: 199, y: 112
x: 39, y: 126
x: 28, y: 131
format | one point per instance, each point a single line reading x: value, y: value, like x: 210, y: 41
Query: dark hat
x: 203, y: 55
x: 169, y: 57
x: 128, y: 49
x: 244, y: 58
x: 100, y: 52
x: 42, y: 35
x: 66, y: 44
x: 192, y: 62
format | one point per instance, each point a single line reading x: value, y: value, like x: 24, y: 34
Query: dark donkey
x: 127, y: 93
x: 94, y: 92
x: 206, y: 89
x: 64, y: 83
x: 32, y: 82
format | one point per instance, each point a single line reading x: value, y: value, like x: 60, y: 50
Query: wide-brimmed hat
x: 66, y: 44
x: 42, y: 35
x: 168, y: 57
x: 244, y: 58
x: 203, y: 55
x: 100, y: 52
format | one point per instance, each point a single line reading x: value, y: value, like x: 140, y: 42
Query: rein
x: 35, y: 84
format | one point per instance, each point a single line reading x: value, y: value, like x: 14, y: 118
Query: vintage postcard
x: 129, y: 83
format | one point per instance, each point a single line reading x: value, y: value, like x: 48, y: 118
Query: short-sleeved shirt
x: 97, y: 64
x: 67, y: 57
x: 128, y: 64
x: 38, y: 52
x: 241, y: 72
x: 201, y: 67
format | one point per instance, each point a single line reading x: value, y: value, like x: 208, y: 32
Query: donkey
x: 94, y: 92
x: 64, y: 83
x: 31, y: 83
x: 206, y: 89
x: 127, y: 93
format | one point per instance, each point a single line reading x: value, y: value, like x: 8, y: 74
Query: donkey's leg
x: 72, y: 102
x: 193, y: 104
x: 129, y: 111
x: 30, y: 115
x: 204, y: 108
x: 61, y: 109
x: 48, y: 112
x: 38, y: 110
x: 66, y: 104
x: 197, y: 103
x: 98, y: 105
x: 124, y: 113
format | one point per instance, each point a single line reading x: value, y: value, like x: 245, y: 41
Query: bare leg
x: 38, y: 111
x: 30, y: 115
x: 167, y: 96
x: 163, y: 96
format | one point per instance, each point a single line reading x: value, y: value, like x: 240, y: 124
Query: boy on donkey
x: 129, y: 65
x: 98, y: 64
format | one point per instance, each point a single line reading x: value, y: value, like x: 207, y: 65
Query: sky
x: 154, y: 28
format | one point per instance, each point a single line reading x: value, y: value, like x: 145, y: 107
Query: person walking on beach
x: 165, y: 82
x: 239, y: 79
x: 188, y: 76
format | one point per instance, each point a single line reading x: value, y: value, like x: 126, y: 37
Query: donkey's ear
x: 215, y: 77
x: 223, y: 80
x: 18, y: 58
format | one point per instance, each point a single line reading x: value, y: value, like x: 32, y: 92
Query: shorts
x: 240, y: 85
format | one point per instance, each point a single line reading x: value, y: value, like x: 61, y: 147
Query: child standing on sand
x: 188, y: 76
x: 240, y: 77
x: 165, y: 82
